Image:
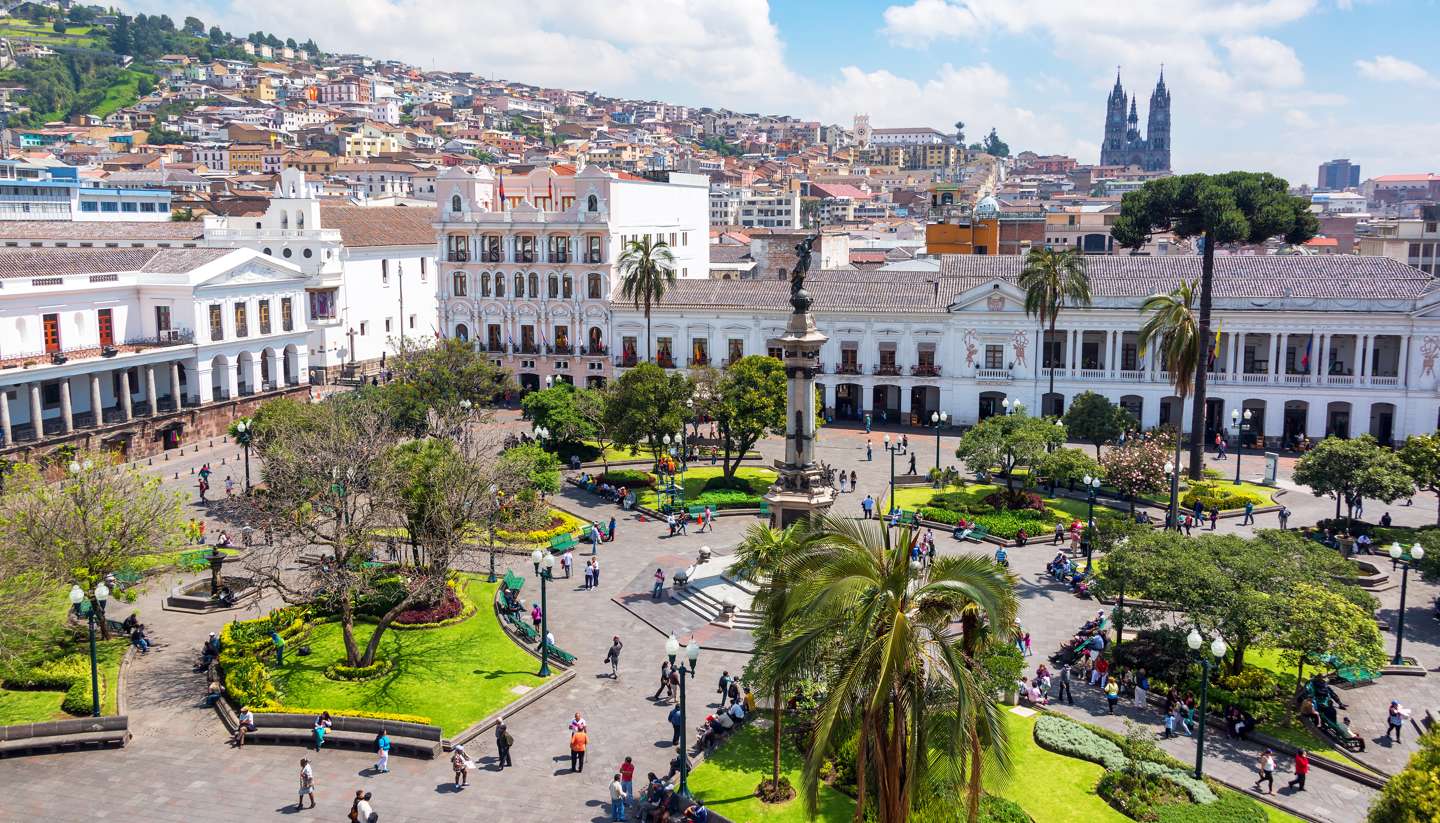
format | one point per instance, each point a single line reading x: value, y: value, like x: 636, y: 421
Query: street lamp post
x: 1235, y: 418
x: 244, y: 432
x: 938, y: 419
x: 1174, y: 496
x: 544, y: 562
x: 692, y: 654
x: 1006, y: 404
x: 494, y: 493
x: 1092, y: 487
x: 77, y: 600
x: 1217, y: 650
x: 1397, y: 554
x: 893, y: 448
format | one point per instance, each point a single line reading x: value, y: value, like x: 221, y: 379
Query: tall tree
x: 97, y: 519
x: 437, y: 378
x: 1319, y: 623
x: 1353, y: 470
x: 1413, y: 794
x: 750, y: 404
x: 1008, y: 442
x: 1136, y: 468
x: 904, y: 683
x: 1094, y: 419
x: 558, y: 410
x: 647, y: 270
x: 1235, y: 207
x: 1421, y: 455
x: 1052, y: 280
x: 1171, y: 326
x: 647, y: 403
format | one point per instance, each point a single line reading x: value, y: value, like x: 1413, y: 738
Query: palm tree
x: 1052, y: 280
x: 902, y: 668
x: 647, y: 269
x: 761, y: 559
x: 1173, y: 326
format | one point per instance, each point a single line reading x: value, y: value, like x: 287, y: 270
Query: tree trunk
x: 347, y: 630
x: 1237, y: 663
x: 100, y: 620
x: 649, y: 354
x: 1202, y: 364
x: 860, y: 762
x: 777, y: 717
x: 380, y: 627
x: 972, y: 794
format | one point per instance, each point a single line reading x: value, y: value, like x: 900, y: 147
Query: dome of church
x: 987, y: 207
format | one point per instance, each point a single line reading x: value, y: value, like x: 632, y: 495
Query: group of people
x: 847, y: 483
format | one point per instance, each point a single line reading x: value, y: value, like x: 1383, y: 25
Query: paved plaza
x: 179, y: 768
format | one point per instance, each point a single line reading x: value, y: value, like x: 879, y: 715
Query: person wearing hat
x: 460, y: 762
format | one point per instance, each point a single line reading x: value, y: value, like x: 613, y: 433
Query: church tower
x: 1157, y: 126
x: 1114, y: 123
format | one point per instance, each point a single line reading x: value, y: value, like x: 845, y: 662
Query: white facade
x: 531, y: 279
x: 1352, y: 349
x: 107, y: 335
x: 730, y: 206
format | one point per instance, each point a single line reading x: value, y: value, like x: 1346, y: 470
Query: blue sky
x: 1276, y: 85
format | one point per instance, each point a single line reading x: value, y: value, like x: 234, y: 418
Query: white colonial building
x: 528, y: 262
x: 1309, y: 345
x: 94, y: 339
x: 370, y: 271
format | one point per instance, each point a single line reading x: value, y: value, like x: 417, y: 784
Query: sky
x: 1266, y: 85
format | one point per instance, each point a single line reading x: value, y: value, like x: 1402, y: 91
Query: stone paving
x: 178, y: 768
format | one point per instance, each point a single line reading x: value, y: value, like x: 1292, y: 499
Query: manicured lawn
x: 145, y: 562
x: 1061, y: 508
x: 1051, y: 787
x: 29, y: 707
x: 695, y: 479
x: 726, y: 781
x: 39, y: 706
x: 454, y: 675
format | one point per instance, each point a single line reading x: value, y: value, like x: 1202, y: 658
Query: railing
x: 490, y: 257
x: 626, y: 361
x: 1384, y: 380
x: 665, y: 362
x: 925, y: 370
x: 594, y: 257
x: 1093, y: 374
x: 525, y: 257
x: 167, y: 337
x: 527, y: 348
x: 700, y: 361
x: 559, y: 257
x: 1339, y: 380
x: 886, y: 369
x: 457, y: 257
x: 560, y: 348
x: 1132, y: 374
x: 1162, y: 376
x: 593, y: 351
x: 1247, y: 377
x: 848, y: 368
x: 1294, y: 379
x: 992, y: 374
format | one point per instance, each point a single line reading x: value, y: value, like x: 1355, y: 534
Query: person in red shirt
x: 1302, y: 768
x: 1100, y: 673
x: 627, y: 780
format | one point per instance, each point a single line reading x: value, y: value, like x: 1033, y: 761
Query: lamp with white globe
x: 1405, y: 560
x: 1217, y: 651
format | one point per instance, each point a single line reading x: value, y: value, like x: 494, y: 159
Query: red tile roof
x: 380, y: 225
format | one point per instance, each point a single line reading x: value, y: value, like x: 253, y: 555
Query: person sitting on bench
x: 137, y: 636
x: 244, y: 724
x: 211, y: 648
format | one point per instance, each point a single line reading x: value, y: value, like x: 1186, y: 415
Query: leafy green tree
x: 647, y: 403
x: 533, y: 461
x: 1067, y: 465
x: 1352, y: 470
x: 98, y: 519
x: 647, y: 270
x: 59, y: 26
x: 994, y: 145
x: 1052, y: 280
x: 590, y: 405
x: 121, y: 41
x: 1319, y: 623
x: 438, y: 378
x: 750, y: 404
x: 558, y: 409
x: 1136, y: 468
x: 1236, y: 207
x: 1094, y: 419
x: 194, y: 26
x: 1008, y: 442
x: 902, y: 686
x: 1421, y: 455
x: 1413, y: 794
x: 216, y: 35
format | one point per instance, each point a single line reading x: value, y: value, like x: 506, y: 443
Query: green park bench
x: 979, y: 532
x: 562, y: 543
x: 523, y: 628
x: 1352, y: 742
x: 907, y: 517
x: 696, y: 511
x: 127, y: 578
x: 194, y: 560
x: 560, y: 654
x: 1353, y: 675
x: 587, y: 533
x: 514, y: 582
x: 764, y: 508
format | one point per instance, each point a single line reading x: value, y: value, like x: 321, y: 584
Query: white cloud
x: 1265, y: 61
x: 1388, y: 69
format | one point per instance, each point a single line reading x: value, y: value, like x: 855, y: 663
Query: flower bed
x: 448, y: 607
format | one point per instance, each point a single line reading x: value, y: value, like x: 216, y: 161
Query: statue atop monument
x: 799, y: 298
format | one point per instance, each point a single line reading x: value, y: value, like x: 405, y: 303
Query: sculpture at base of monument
x: 799, y: 298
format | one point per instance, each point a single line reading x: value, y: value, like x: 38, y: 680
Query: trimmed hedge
x: 70, y: 674
x: 1008, y: 523
x: 340, y: 671
x: 1215, y: 495
x: 242, y: 643
x: 1071, y: 739
x: 726, y: 499
x: 629, y: 478
x: 395, y: 716
x: 1232, y: 807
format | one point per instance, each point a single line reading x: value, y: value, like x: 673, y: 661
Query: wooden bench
x: 60, y: 735
x: 1333, y: 729
x: 409, y: 739
x: 561, y: 543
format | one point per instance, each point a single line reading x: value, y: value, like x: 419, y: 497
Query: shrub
x: 1071, y: 739
x: 466, y: 610
x: 1007, y: 523
x: 1137, y: 796
x: 629, y: 478
x: 720, y: 482
x: 1213, y: 495
x: 557, y: 527
x: 448, y: 607
x: 1231, y: 807
x: 248, y: 683
x: 78, y: 700
x: 727, y: 499
x: 1162, y: 653
x: 395, y: 716
x: 340, y: 671
x: 948, y: 806
x: 946, y: 516
x: 1004, y: 500
x: 956, y: 501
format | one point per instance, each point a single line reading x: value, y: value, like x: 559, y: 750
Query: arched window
x: 592, y: 287
x: 592, y: 203
x: 569, y: 287
x: 534, y: 286
x: 485, y: 284
x: 460, y: 286
x: 455, y: 203
x: 499, y: 284
x: 519, y: 284
x: 462, y: 332
x: 553, y: 290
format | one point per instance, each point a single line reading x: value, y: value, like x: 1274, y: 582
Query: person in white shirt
x: 361, y: 809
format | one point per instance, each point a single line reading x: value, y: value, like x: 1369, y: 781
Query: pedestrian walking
x: 611, y: 532
x: 382, y: 752
x: 1112, y: 695
x: 867, y: 430
x: 869, y: 456
x: 1284, y: 517
x: 503, y: 742
x: 905, y: 446
x: 577, y: 723
x: 307, y: 785
x: 664, y: 679
x: 579, y: 739
x: 1214, y: 518
x: 677, y: 723
x: 617, y: 798
x: 1025, y: 643
x: 724, y: 686
x: 1302, y: 768
x: 659, y: 588
x: 1395, y: 720
x: 1249, y: 513
x: 613, y: 657
x: 461, y: 764
x: 1266, y: 768
x: 536, y: 615
x: 867, y: 506
x: 912, y: 464
x: 1065, y: 685
x: 361, y: 811
x: 566, y: 561
x: 844, y: 482
x: 589, y: 575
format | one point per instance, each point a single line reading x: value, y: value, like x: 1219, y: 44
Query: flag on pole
x: 1215, y: 349
x: 550, y: 193
x: 501, y: 178
x: 1305, y: 358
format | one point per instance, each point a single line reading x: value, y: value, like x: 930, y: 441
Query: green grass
x: 695, y: 479
x: 124, y: 92
x: 145, y: 562
x: 1051, y: 787
x: 77, y: 36
x: 1266, y: 493
x: 1061, y: 508
x: 727, y: 779
x: 40, y: 706
x: 455, y: 675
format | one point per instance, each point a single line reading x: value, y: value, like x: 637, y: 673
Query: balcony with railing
x: 992, y: 374
x: 627, y: 361
x: 700, y: 360
x: 524, y: 257
x: 925, y: 370
x: 594, y: 257
x: 457, y: 256
x: 665, y: 361
x: 560, y: 348
x: 490, y: 257
x: 847, y: 368
x: 559, y: 256
x: 886, y: 369
x: 594, y: 351
x: 527, y: 348
x: 167, y: 337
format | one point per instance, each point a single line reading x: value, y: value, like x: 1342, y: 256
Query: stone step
x: 743, y: 585
x: 705, y: 605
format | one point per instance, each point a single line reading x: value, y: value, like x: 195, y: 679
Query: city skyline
x: 1277, y: 86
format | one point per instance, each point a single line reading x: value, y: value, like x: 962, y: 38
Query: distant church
x: 1123, y: 144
